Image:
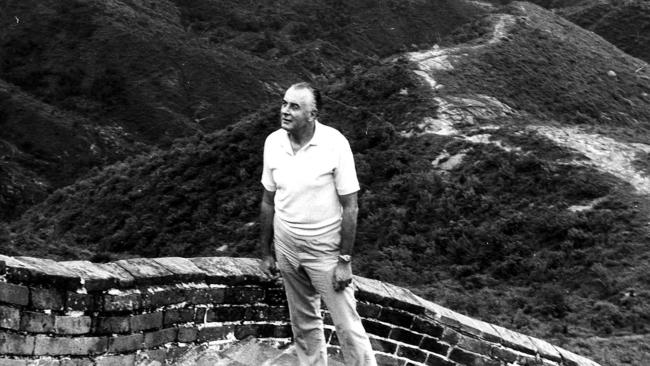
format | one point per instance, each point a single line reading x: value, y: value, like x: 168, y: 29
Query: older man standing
x: 309, y: 212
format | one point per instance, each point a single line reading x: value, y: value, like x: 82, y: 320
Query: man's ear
x: 314, y: 113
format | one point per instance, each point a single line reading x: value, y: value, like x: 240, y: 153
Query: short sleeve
x: 345, y: 174
x: 267, y: 176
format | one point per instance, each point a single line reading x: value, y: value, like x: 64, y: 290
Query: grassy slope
x: 495, y: 229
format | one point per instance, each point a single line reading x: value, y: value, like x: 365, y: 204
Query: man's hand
x: 342, y: 276
x: 268, y: 266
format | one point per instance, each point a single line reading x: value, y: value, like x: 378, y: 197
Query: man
x: 309, y: 212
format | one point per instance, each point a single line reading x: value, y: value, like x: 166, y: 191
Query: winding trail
x: 604, y: 153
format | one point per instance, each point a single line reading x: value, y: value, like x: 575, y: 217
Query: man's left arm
x: 343, y: 271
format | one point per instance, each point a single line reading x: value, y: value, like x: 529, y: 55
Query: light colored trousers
x: 307, y: 273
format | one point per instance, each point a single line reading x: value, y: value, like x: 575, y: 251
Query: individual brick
x: 122, y: 279
x: 116, y: 360
x: 9, y: 317
x: 412, y: 353
x: 436, y: 360
x: 12, y: 362
x: 248, y: 330
x: 148, y: 321
x: 61, y: 346
x: 229, y: 313
x: 146, y: 271
x: 432, y: 345
x: 203, y: 295
x: 275, y: 296
x: 188, y: 334
x: 36, y: 322
x: 151, y: 356
x: 376, y: 328
x: 405, y: 336
x: 3, y: 267
x: 474, y: 345
x: 469, y: 358
x: 79, y: 302
x: 327, y: 318
x: 183, y: 269
x: 51, y: 274
x: 383, y: 345
x: 397, y: 317
x: 72, y: 325
x: 214, y: 333
x: 450, y: 336
x: 271, y: 313
x: 244, y: 295
x: 386, y: 360
x: 125, y: 343
x: 160, y: 337
x: 368, y: 310
x: 14, y: 294
x: 76, y: 362
x: 95, y: 276
x: 178, y: 316
x: 231, y: 271
x: 17, y: 271
x: 16, y: 344
x: 112, y: 324
x: 162, y: 296
x: 46, y: 298
x: 426, y: 326
x: 128, y: 300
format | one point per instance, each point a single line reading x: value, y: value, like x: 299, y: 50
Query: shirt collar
x: 315, y: 140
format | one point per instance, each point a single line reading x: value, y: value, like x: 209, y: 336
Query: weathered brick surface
x: 383, y: 345
x: 160, y: 337
x: 46, y: 298
x: 270, y: 313
x: 450, y: 336
x: 281, y: 331
x: 59, y: 346
x: 128, y: 300
x: 36, y: 322
x: 386, y: 360
x: 183, y: 269
x: 231, y: 271
x: 125, y: 343
x: 9, y: 317
x: 76, y: 362
x: 17, y: 271
x: 112, y: 324
x: 435, y: 360
x: 12, y: 362
x: 214, y: 333
x: 474, y: 345
x: 572, y: 359
x: 427, y: 326
x: 433, y: 345
x: 14, y: 294
x: 244, y: 295
x: 404, y: 299
x: 72, y: 325
x: 146, y: 271
x: 229, y: 313
x: 116, y: 360
x: 367, y: 310
x: 370, y: 290
x: 121, y: 277
x: 412, y: 353
x: 16, y: 344
x: 376, y: 328
x: 147, y: 321
x: 162, y: 296
x: 405, y: 336
x: 79, y: 301
x: 188, y: 334
x: 546, y: 350
x: 213, y: 294
x: 514, y: 340
x: 275, y: 296
x: 96, y: 277
x: 469, y: 358
x: 397, y: 317
x: 178, y: 316
x: 50, y: 273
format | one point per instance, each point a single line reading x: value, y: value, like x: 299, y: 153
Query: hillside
x: 86, y: 82
x: 625, y: 24
x: 475, y: 184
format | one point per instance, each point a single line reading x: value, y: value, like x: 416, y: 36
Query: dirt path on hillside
x: 602, y: 152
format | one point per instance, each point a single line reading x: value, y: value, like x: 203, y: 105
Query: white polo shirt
x: 307, y: 184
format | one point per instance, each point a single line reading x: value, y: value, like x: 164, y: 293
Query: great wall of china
x: 150, y: 311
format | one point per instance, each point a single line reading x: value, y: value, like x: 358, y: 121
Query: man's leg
x: 305, y: 313
x: 354, y: 341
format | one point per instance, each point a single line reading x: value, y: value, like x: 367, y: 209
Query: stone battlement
x: 136, y: 310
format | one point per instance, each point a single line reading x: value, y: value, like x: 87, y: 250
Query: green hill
x: 498, y: 219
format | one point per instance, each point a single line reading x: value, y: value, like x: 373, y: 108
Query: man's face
x: 297, y: 110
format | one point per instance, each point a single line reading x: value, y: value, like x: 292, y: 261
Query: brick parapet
x: 83, y: 313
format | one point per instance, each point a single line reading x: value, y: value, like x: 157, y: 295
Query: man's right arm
x: 267, y: 211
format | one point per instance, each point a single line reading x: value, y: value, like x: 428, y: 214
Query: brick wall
x: 130, y: 311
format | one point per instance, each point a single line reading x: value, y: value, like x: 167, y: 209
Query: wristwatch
x: 346, y: 258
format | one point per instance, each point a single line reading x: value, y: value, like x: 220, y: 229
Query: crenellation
x: 128, y: 311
